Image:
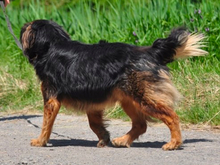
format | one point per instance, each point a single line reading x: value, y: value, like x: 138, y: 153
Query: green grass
x: 198, y: 79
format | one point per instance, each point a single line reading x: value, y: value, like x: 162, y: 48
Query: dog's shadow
x: 90, y: 143
x: 18, y: 117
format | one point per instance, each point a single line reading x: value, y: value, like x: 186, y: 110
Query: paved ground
x: 72, y: 142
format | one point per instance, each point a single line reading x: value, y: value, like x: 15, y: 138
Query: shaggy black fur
x: 89, y: 72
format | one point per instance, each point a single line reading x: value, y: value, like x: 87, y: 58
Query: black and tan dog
x: 91, y: 77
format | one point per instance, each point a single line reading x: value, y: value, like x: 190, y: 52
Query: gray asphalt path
x: 72, y: 142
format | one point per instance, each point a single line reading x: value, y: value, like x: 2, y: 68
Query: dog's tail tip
x: 190, y: 44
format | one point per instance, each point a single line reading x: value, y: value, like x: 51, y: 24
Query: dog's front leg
x: 51, y: 109
x: 97, y: 125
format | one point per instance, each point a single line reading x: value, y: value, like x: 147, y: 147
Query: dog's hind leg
x: 170, y: 118
x: 158, y: 101
x: 156, y: 96
x: 139, y: 124
x: 51, y: 108
x: 97, y: 125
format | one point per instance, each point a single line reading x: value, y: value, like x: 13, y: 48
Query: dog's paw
x: 37, y: 143
x: 122, y: 142
x: 173, y: 145
x: 104, y: 140
x: 101, y: 144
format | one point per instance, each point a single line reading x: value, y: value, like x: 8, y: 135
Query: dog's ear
x: 27, y: 39
x: 27, y: 36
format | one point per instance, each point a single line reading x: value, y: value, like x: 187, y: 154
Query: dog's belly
x: 116, y: 96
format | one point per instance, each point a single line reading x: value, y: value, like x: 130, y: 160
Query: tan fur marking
x: 154, y: 91
x: 117, y: 95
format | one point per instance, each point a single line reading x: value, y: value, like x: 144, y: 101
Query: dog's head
x: 36, y: 37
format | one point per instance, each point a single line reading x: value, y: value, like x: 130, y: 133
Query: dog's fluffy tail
x: 179, y: 44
